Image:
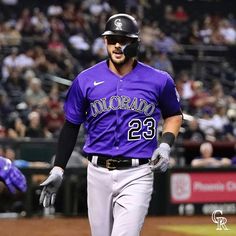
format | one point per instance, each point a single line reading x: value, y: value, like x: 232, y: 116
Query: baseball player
x: 12, y: 176
x: 120, y: 100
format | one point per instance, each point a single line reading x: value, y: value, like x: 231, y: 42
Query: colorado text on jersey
x: 123, y: 103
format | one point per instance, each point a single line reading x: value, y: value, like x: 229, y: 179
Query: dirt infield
x: 80, y: 226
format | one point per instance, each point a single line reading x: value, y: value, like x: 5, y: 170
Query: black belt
x: 116, y: 163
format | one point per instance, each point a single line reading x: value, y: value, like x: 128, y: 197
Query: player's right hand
x: 51, y: 186
x: 161, y: 158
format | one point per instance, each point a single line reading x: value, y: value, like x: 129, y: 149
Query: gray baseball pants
x: 118, y: 200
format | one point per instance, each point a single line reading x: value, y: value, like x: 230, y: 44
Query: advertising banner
x: 202, y: 187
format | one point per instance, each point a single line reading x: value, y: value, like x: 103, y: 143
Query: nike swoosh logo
x: 95, y: 83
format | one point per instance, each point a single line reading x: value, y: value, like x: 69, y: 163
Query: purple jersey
x: 121, y: 114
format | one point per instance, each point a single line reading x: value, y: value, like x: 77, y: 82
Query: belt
x: 116, y: 163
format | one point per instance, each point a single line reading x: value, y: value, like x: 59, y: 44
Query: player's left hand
x: 160, y: 158
x: 51, y: 186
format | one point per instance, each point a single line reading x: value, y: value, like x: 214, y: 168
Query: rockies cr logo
x: 118, y: 24
x: 219, y: 220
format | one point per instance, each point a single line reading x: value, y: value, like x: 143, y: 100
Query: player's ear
x: 105, y: 39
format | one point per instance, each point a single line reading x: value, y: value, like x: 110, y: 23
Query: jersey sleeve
x: 169, y: 99
x: 74, y: 106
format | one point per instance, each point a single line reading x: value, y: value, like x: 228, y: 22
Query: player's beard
x: 118, y: 62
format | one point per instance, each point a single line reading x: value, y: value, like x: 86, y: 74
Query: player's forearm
x: 172, y: 124
x: 66, y: 143
x: 171, y: 128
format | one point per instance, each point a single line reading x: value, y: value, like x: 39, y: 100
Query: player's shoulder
x: 94, y: 71
x: 153, y: 72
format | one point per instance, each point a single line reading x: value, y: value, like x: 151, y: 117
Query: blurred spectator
x: 56, y: 25
x: 217, y: 92
x: 34, y: 94
x: 81, y: 48
x: 40, y: 23
x: 220, y: 120
x: 23, y: 23
x: 184, y: 85
x: 206, y: 123
x: 69, y: 12
x: 162, y: 62
x: 28, y: 75
x: 230, y: 128
x: 166, y: 43
x: 79, y: 42
x: 15, y: 86
x: 169, y: 13
x: 216, y: 37
x: 180, y: 14
x: 54, y: 10
x: 201, y: 97
x: 16, y: 128
x: 9, y: 2
x: 25, y: 60
x: 227, y: 31
x: 12, y: 36
x: 52, y: 112
x: 9, y: 63
x: 16, y: 61
x: 2, y: 132
x: 58, y: 57
x: 99, y: 49
x: 5, y: 106
x: 2, y: 150
x: 206, y: 158
x: 41, y: 62
x: 206, y: 30
x: 10, y: 153
x: 2, y: 36
x: 193, y: 132
x: 34, y: 128
x: 233, y: 159
x: 55, y: 45
x: 149, y: 34
x: 54, y: 118
x: 193, y: 36
x: 96, y: 7
x: 54, y: 95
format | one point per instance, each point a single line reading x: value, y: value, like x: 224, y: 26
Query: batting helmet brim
x: 119, y: 33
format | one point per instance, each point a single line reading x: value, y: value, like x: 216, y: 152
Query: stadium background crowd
x: 44, y: 45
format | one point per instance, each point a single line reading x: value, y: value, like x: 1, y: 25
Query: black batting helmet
x: 122, y: 25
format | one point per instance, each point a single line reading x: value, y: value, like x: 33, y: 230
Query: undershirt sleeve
x: 66, y: 143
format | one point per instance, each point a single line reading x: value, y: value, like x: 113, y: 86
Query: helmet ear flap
x: 131, y: 50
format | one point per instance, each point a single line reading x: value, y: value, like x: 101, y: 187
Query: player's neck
x: 122, y: 70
